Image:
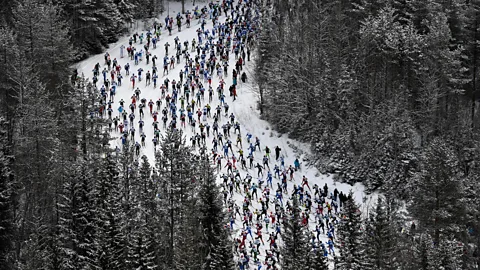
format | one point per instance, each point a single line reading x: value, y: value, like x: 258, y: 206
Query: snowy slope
x: 244, y: 109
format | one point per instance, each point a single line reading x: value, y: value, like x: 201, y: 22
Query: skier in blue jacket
x: 296, y: 163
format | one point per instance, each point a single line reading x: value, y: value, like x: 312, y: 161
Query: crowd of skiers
x: 267, y: 202
x: 191, y: 100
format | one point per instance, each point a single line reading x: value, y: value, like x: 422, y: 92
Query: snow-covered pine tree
x: 37, y: 141
x: 472, y: 189
x: 380, y: 239
x: 143, y: 244
x: 7, y: 187
x: 175, y: 168
x: 446, y: 255
x: 28, y: 20
x: 427, y: 255
x: 422, y: 245
x: 86, y: 36
x: 130, y: 189
x: 110, y: 236
x: 6, y: 12
x: 268, y: 50
x: 349, y: 237
x: 189, y: 237
x: 42, y: 248
x: 83, y: 127
x: 37, y: 147
x: 45, y: 42
x: 222, y: 256
x: 77, y: 218
x: 127, y: 9
x: 468, y: 35
x: 296, y: 249
x: 144, y: 9
x: 10, y: 60
x: 317, y: 260
x: 94, y: 24
x: 217, y: 248
x: 109, y: 19
x: 438, y: 192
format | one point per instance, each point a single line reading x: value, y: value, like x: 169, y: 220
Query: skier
x: 260, y: 169
x: 166, y: 48
x: 122, y: 49
x: 277, y: 152
x: 127, y: 69
x: 133, y: 80
x: 296, y: 163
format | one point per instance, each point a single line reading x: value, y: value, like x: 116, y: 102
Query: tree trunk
x: 261, y: 99
x: 474, y: 77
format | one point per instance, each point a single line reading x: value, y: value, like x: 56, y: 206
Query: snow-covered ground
x: 244, y: 108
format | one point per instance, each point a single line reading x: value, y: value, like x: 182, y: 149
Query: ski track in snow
x: 244, y: 109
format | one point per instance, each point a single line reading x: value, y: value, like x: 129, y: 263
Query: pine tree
x: 42, y: 247
x: 380, y: 239
x: 7, y: 188
x: 438, y: 187
x: 216, y: 242
x: 37, y: 141
x: 189, y: 238
x: 130, y: 190
x: 317, y: 260
x: 349, y: 241
x: 95, y: 24
x: 82, y: 149
x: 11, y: 67
x: 446, y: 255
x: 143, y: 245
x: 110, y: 236
x: 77, y: 218
x: 110, y: 20
x: 45, y: 41
x: 175, y: 167
x: 37, y: 146
x: 472, y: 204
x: 471, y: 53
x: 6, y: 12
x: 296, y: 250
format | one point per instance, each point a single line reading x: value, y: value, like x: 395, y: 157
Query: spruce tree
x: 130, y: 191
x: 11, y: 67
x: 110, y: 236
x: 189, y: 238
x: 143, y: 244
x: 469, y: 39
x: 95, y: 24
x: 296, y: 250
x: 77, y: 218
x: 216, y: 242
x: 44, y: 40
x: 7, y: 187
x: 349, y: 241
x: 37, y: 147
x: 317, y: 260
x: 175, y: 169
x: 472, y: 189
x: 380, y: 239
x: 436, y: 192
x: 446, y: 255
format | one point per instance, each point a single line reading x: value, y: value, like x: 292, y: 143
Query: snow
x: 244, y: 108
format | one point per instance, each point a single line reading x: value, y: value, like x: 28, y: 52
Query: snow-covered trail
x: 244, y: 108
